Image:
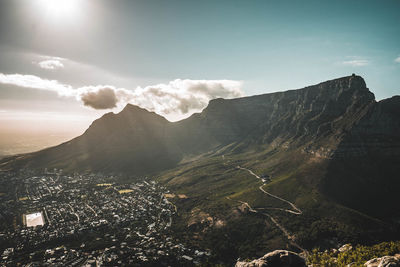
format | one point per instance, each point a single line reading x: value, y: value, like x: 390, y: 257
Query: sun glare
x: 60, y: 8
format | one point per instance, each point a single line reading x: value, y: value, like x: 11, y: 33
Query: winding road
x: 295, y: 210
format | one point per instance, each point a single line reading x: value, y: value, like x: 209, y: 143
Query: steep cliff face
x: 335, y: 117
x: 377, y: 132
x: 364, y: 171
x: 316, y: 116
x: 319, y: 114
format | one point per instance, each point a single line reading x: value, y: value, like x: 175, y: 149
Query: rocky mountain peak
x: 350, y: 82
x: 136, y: 111
x: 316, y: 116
x: 133, y: 108
x: 357, y: 81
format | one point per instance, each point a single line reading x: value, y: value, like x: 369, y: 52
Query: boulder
x: 345, y: 247
x: 277, y: 258
x: 385, y: 261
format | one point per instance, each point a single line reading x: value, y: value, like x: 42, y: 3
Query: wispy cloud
x: 176, y: 97
x: 397, y: 59
x: 50, y: 63
x: 356, y: 62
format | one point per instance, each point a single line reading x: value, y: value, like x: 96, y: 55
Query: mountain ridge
x: 329, y: 149
x: 316, y: 117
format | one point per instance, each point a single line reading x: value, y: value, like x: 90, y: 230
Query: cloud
x: 356, y: 62
x: 179, y: 97
x: 184, y: 96
x: 35, y: 82
x: 176, y: 97
x: 397, y: 59
x: 51, y: 63
x: 103, y: 97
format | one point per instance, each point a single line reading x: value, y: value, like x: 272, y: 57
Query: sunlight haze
x: 79, y: 59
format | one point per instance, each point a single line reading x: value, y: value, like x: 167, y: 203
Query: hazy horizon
x: 65, y: 63
x: 199, y: 133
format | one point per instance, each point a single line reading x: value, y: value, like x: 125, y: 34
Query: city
x: 87, y: 220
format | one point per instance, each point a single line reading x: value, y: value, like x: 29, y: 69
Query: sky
x: 64, y: 63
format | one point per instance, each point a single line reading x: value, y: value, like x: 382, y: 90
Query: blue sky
x: 186, y: 51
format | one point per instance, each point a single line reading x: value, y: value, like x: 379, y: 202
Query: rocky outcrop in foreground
x: 284, y: 258
x: 385, y: 261
x: 277, y: 258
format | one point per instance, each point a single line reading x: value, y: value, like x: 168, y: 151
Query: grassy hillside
x: 212, y: 213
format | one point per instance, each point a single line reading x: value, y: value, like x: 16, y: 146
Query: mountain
x: 311, y: 167
x: 133, y: 141
x: 317, y: 113
x: 139, y: 142
x: 367, y: 161
x: 329, y: 149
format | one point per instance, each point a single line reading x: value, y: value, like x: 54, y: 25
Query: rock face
x: 386, y: 261
x: 345, y: 247
x: 366, y: 161
x: 376, y: 132
x: 313, y: 115
x: 277, y: 258
x: 337, y: 118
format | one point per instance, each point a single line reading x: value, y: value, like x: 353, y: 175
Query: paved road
x: 296, y: 211
x: 290, y: 237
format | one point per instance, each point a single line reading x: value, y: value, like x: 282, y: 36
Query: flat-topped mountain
x: 328, y: 118
x: 313, y: 167
x: 315, y: 113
